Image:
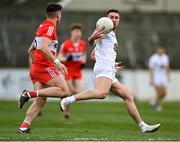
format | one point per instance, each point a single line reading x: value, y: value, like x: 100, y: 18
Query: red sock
x: 33, y: 94
x: 25, y: 125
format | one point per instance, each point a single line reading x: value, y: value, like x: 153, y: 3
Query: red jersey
x: 68, y: 48
x: 46, y: 29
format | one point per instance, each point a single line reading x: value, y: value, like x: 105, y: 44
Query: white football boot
x: 150, y: 128
x: 64, y: 104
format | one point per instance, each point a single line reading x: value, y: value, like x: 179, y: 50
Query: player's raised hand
x: 60, y: 66
x: 119, y: 67
x: 97, y: 34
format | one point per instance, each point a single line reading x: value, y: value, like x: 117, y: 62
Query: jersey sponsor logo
x: 50, y: 31
x: 75, y: 56
x: 53, y: 45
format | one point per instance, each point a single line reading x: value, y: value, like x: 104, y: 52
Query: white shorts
x: 160, y: 80
x: 105, y: 70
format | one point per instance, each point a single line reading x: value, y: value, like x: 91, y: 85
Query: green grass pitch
x: 101, y: 121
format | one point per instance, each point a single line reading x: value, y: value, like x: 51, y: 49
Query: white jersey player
x: 104, y: 54
x: 159, y: 75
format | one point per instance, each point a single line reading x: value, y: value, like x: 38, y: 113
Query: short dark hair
x: 112, y: 10
x: 52, y: 8
x: 76, y: 26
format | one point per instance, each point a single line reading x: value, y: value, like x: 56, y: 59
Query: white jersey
x: 105, y: 55
x: 159, y: 63
x: 105, y: 49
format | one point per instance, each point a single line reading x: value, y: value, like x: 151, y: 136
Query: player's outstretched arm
x: 44, y: 47
x: 92, y: 56
x: 84, y: 58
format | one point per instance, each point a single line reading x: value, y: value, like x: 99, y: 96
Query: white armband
x: 56, y: 61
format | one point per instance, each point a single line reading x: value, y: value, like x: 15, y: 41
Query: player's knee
x: 163, y: 94
x: 101, y: 94
x: 66, y: 92
x: 130, y: 97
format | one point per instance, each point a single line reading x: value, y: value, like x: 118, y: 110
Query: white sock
x: 142, y: 124
x: 70, y: 99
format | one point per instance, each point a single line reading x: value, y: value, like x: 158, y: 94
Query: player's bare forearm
x: 92, y: 56
x: 31, y: 51
x: 84, y: 58
x: 44, y: 47
x: 91, y: 40
x: 47, y: 53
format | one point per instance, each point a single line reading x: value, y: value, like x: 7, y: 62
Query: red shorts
x: 74, y: 75
x: 42, y: 74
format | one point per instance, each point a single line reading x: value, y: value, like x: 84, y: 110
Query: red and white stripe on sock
x: 33, y: 94
x: 25, y: 125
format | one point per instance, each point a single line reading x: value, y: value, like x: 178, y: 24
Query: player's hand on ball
x: 119, y: 67
x: 97, y: 34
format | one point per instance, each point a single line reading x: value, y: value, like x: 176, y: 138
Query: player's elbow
x: 66, y: 93
x: 92, y: 57
x: 90, y: 40
x: 29, y: 52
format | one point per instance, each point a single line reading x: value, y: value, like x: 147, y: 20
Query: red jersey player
x: 73, y: 56
x: 47, y: 81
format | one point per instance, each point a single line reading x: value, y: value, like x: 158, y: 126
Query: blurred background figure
x: 159, y: 75
x: 73, y: 56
